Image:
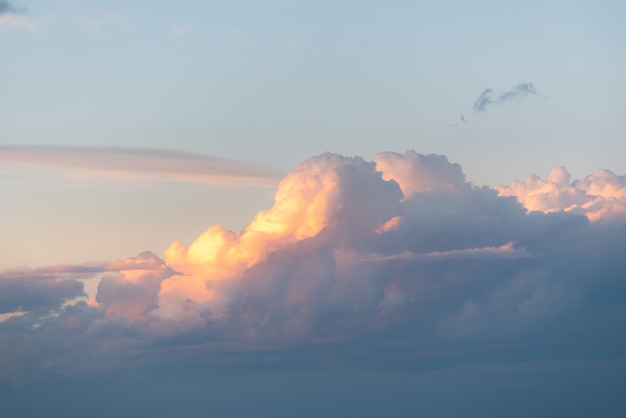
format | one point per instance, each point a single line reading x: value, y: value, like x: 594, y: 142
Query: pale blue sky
x: 277, y: 82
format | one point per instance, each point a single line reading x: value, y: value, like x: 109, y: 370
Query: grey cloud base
x: 415, y: 269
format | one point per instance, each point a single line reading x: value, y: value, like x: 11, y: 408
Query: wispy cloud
x: 519, y: 92
x: 488, y: 98
x: 14, y: 18
x: 138, y: 164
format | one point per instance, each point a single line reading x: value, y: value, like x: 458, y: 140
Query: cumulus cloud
x: 600, y: 196
x: 44, y: 288
x: 13, y: 18
x: 138, y: 164
x: 358, y: 264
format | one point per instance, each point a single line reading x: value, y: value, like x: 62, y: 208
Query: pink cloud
x: 134, y: 164
x: 600, y: 196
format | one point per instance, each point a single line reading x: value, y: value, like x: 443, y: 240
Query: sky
x: 268, y: 208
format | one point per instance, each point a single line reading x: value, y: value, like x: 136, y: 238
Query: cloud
x: 24, y: 289
x: 138, y: 164
x: 99, y: 21
x: 34, y: 292
x: 13, y: 18
x: 358, y: 264
x: 486, y: 98
x: 177, y: 30
x: 90, y: 23
x: 6, y: 7
x: 600, y: 196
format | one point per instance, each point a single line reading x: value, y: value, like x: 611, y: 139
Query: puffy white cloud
x: 599, y: 196
x: 419, y: 173
x: 391, y: 256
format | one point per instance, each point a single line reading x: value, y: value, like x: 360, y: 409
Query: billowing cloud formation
x: 12, y: 18
x: 139, y: 164
x: 600, y: 196
x: 398, y: 263
x: 45, y: 288
x: 487, y: 98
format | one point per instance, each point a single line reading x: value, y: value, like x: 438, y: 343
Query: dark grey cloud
x: 36, y: 292
x: 487, y: 97
x: 484, y: 100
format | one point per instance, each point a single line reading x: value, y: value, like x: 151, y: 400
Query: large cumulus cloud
x: 399, y: 263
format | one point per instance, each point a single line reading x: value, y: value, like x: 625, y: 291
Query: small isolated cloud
x: 362, y: 264
x: 178, y: 30
x: 98, y: 21
x: 487, y: 97
x: 90, y: 23
x: 138, y: 164
x: 239, y: 35
x: 13, y: 18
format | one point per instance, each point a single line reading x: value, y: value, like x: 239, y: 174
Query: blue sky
x: 278, y: 82
x: 225, y: 195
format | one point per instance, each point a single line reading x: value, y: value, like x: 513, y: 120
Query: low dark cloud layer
x: 396, y: 264
x: 28, y: 293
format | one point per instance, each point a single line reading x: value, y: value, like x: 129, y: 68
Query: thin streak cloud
x: 139, y: 164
